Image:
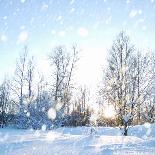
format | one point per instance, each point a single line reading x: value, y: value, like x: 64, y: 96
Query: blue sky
x: 92, y: 24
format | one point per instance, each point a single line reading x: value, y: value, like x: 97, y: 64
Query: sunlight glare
x: 109, y: 112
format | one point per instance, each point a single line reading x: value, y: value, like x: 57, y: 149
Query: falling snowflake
x: 22, y: 1
x: 3, y: 38
x: 133, y: 13
x: 51, y: 113
x: 23, y: 36
x: 43, y: 128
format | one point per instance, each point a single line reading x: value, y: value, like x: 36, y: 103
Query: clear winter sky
x: 91, y: 24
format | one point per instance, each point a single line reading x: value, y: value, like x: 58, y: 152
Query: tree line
x: 127, y: 85
x: 30, y: 101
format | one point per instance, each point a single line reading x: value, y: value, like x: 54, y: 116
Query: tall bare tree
x: 145, y: 83
x: 63, y: 64
x: 129, y: 81
x: 30, y: 79
x: 118, y: 79
x: 4, y: 101
x: 20, y: 75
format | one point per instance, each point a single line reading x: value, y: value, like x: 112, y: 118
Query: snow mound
x: 78, y: 141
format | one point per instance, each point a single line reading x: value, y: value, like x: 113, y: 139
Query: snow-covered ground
x: 78, y: 141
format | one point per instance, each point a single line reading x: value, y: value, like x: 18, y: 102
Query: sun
x: 109, y: 111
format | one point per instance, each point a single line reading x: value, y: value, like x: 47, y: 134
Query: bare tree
x: 30, y: 79
x: 63, y: 64
x: 4, y: 101
x: 145, y: 84
x: 19, y: 80
x: 81, y: 111
x: 129, y: 81
x: 119, y: 78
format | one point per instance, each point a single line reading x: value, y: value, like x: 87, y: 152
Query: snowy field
x: 78, y: 141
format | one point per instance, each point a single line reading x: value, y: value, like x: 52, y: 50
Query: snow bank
x: 78, y: 141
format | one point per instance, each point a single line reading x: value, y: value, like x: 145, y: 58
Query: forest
x: 125, y: 95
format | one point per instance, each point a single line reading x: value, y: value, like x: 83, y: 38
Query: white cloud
x: 83, y: 32
x: 152, y: 1
x: 133, y: 13
x: 4, y: 38
x: 23, y: 36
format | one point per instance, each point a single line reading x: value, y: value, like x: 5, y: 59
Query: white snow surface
x: 78, y: 141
